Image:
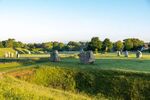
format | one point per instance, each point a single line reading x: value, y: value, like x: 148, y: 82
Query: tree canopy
x: 107, y: 45
x: 118, y: 45
x: 94, y: 44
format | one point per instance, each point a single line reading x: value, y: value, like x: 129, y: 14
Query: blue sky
x: 78, y: 20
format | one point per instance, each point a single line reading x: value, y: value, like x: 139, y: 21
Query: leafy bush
x: 55, y: 77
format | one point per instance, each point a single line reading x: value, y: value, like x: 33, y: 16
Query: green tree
x: 137, y: 44
x: 61, y: 46
x: 128, y: 44
x: 73, y: 46
x: 133, y: 44
x: 9, y: 43
x: 31, y: 46
x: 149, y: 47
x: 47, y: 46
x: 118, y: 45
x: 94, y: 44
x: 107, y: 45
x: 18, y: 44
x: 1, y: 45
x: 55, y: 45
x: 83, y: 45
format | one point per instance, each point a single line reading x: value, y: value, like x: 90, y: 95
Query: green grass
x: 132, y: 55
x: 112, y: 76
x: 14, y: 89
x: 8, y: 64
x: 112, y: 84
x: 134, y: 65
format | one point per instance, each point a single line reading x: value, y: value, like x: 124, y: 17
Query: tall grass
x: 112, y: 84
x: 14, y: 89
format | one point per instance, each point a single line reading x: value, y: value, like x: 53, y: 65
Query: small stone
x: 138, y: 54
x: 11, y: 55
x: 126, y: 54
x: 118, y: 53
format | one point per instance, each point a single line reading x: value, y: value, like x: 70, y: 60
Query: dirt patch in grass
x: 22, y: 73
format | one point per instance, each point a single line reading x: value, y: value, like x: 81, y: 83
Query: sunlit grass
x: 14, y: 89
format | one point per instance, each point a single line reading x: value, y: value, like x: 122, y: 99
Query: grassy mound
x: 22, y: 51
x: 14, y: 89
x: 114, y: 84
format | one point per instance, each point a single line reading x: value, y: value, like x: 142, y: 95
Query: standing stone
x: 81, y: 50
x: 121, y: 52
x: 6, y: 55
x: 118, y: 53
x: 16, y: 52
x: 55, y: 56
x: 29, y: 52
x: 87, y: 57
x: 126, y: 54
x: 11, y: 55
x: 91, y: 57
x: 138, y: 54
x: 18, y: 56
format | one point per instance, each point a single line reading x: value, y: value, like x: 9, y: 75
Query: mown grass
x: 14, y: 89
x: 10, y: 64
x: 133, y: 65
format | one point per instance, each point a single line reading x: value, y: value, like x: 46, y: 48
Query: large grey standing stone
x: 87, y: 57
x: 126, y: 54
x: 55, y: 56
x: 118, y: 53
x: 138, y: 54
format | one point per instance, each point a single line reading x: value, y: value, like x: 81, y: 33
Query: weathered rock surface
x: 55, y: 56
x: 87, y: 57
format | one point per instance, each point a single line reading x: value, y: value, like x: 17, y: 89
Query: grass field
x: 101, y: 80
x: 103, y: 61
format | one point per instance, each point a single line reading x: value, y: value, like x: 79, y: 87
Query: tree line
x: 95, y: 44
